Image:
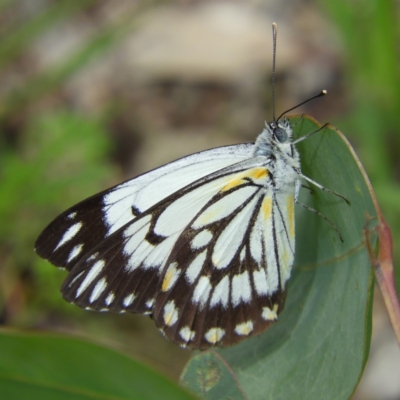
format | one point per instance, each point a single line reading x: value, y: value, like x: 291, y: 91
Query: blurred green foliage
x: 370, y: 32
x: 31, y: 193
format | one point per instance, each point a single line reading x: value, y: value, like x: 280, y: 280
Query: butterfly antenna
x: 320, y: 94
x: 274, y: 34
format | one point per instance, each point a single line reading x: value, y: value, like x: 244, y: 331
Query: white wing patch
x: 159, y: 255
x: 224, y: 207
x: 241, y: 288
x: 110, y: 298
x: 221, y: 293
x: 270, y: 315
x: 91, y: 276
x: 244, y: 328
x: 201, y: 240
x: 98, y: 290
x: 128, y: 300
x: 195, y: 267
x: 178, y: 215
x: 69, y: 234
x: 117, y: 205
x: 171, y: 276
x: 138, y: 256
x: 136, y: 238
x: 214, y: 335
x: 75, y: 252
x: 260, y: 282
x: 170, y: 313
x: 187, y: 334
x: 232, y: 236
x: 202, y: 291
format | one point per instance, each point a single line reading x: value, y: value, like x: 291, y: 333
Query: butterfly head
x: 275, y: 138
x: 281, y: 131
x: 280, y: 134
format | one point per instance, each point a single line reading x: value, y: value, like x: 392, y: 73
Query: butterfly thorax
x: 275, y: 143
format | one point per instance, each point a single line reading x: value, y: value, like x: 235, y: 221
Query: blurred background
x: 95, y: 92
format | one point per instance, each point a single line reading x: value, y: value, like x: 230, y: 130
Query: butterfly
x: 204, y: 245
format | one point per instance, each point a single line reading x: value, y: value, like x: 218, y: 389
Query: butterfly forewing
x: 132, y: 258
x: 81, y: 228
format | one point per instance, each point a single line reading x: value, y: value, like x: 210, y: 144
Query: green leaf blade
x: 53, y: 367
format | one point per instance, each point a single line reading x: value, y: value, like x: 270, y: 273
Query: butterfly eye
x: 280, y: 134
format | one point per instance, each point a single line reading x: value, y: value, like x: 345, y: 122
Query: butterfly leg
x: 296, y: 197
x: 309, y: 188
x: 319, y: 186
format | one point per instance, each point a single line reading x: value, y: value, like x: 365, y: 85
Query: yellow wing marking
x: 170, y: 277
x: 270, y: 315
x: 267, y: 207
x: 239, y: 179
x: 290, y: 211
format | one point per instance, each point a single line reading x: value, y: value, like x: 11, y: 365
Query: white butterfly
x: 204, y: 244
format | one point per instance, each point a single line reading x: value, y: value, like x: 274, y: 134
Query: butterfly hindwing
x: 223, y: 280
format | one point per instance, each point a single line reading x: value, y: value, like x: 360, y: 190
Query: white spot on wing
x: 194, y: 269
x: 98, y: 290
x: 110, y: 298
x: 170, y: 277
x: 170, y: 313
x: 76, y: 278
x: 202, y: 291
x: 72, y: 215
x: 245, y: 328
x: 75, y: 252
x: 92, y: 257
x: 221, y: 293
x: 128, y: 300
x: 201, y: 239
x: 69, y: 234
x: 187, y: 334
x: 149, y: 303
x: 94, y: 271
x: 241, y: 289
x: 214, y: 335
x: 270, y: 315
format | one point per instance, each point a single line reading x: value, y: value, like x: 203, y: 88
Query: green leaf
x: 53, y: 367
x: 320, y: 345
